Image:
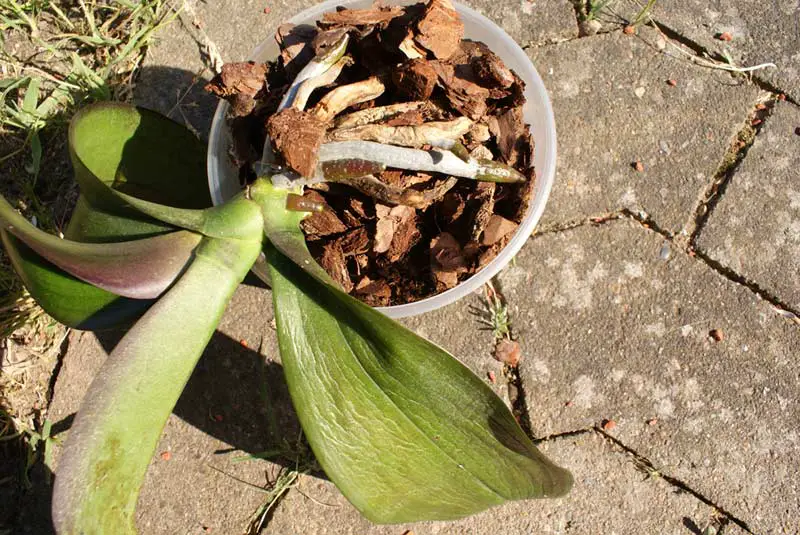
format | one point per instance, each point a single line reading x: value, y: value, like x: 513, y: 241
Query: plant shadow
x: 236, y: 395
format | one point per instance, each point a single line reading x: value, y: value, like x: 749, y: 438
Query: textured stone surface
x: 531, y: 21
x: 613, y: 107
x: 761, y: 32
x: 609, y: 496
x: 755, y: 228
x: 610, y: 330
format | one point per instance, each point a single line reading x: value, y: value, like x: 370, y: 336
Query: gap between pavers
x: 615, y: 324
x: 754, y: 230
x: 614, y: 107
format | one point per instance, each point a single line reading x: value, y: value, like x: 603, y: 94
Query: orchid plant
x: 403, y: 429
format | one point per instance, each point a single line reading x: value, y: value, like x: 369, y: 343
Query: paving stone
x: 611, y: 330
x: 609, y: 496
x: 760, y: 33
x: 755, y: 228
x: 531, y: 21
x: 613, y: 107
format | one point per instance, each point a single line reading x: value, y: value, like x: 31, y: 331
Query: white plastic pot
x: 223, y: 179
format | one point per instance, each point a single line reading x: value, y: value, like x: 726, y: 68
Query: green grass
x: 55, y: 57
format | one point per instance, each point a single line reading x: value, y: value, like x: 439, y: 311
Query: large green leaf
x: 141, y: 269
x: 118, y: 425
x: 140, y: 150
x: 118, y: 148
x: 404, y: 430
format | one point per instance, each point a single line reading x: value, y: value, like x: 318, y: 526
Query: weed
x: 494, y: 314
x: 594, y: 8
x: 299, y: 455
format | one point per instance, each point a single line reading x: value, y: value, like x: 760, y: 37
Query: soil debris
x: 508, y: 352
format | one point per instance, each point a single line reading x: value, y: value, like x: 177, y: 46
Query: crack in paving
x: 646, y: 466
x: 781, y: 307
x: 731, y: 161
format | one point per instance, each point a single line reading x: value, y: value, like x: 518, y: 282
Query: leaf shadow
x: 236, y: 395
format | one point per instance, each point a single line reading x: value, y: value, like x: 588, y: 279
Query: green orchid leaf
x: 112, y: 440
x: 134, y: 162
x: 121, y: 149
x: 92, y: 224
x: 404, y: 430
x: 141, y: 269
x: 68, y: 299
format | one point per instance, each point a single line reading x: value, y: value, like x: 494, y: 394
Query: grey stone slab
x: 613, y: 107
x: 762, y: 32
x: 531, y: 21
x: 613, y: 331
x: 754, y: 230
x: 609, y: 496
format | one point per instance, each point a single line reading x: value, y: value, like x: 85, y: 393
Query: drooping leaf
x: 404, y: 430
x: 66, y: 298
x: 118, y: 425
x: 141, y: 269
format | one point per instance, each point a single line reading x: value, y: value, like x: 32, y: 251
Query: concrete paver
x: 613, y: 107
x: 755, y: 228
x: 609, y: 496
x: 608, y: 326
x: 760, y: 32
x: 611, y: 330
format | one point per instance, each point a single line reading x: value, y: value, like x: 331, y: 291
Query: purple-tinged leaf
x: 140, y: 269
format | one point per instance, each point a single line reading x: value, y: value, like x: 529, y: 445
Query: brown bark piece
x: 334, y: 263
x: 484, y: 197
x: 374, y: 293
x: 415, y: 79
x: 513, y: 137
x: 361, y: 17
x: 491, y: 253
x: 440, y: 30
x: 463, y: 95
x: 447, y: 261
x: 354, y: 242
x: 297, y: 136
x: 406, y: 233
x: 497, y: 228
x: 246, y: 78
x: 322, y: 223
x: 491, y: 70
